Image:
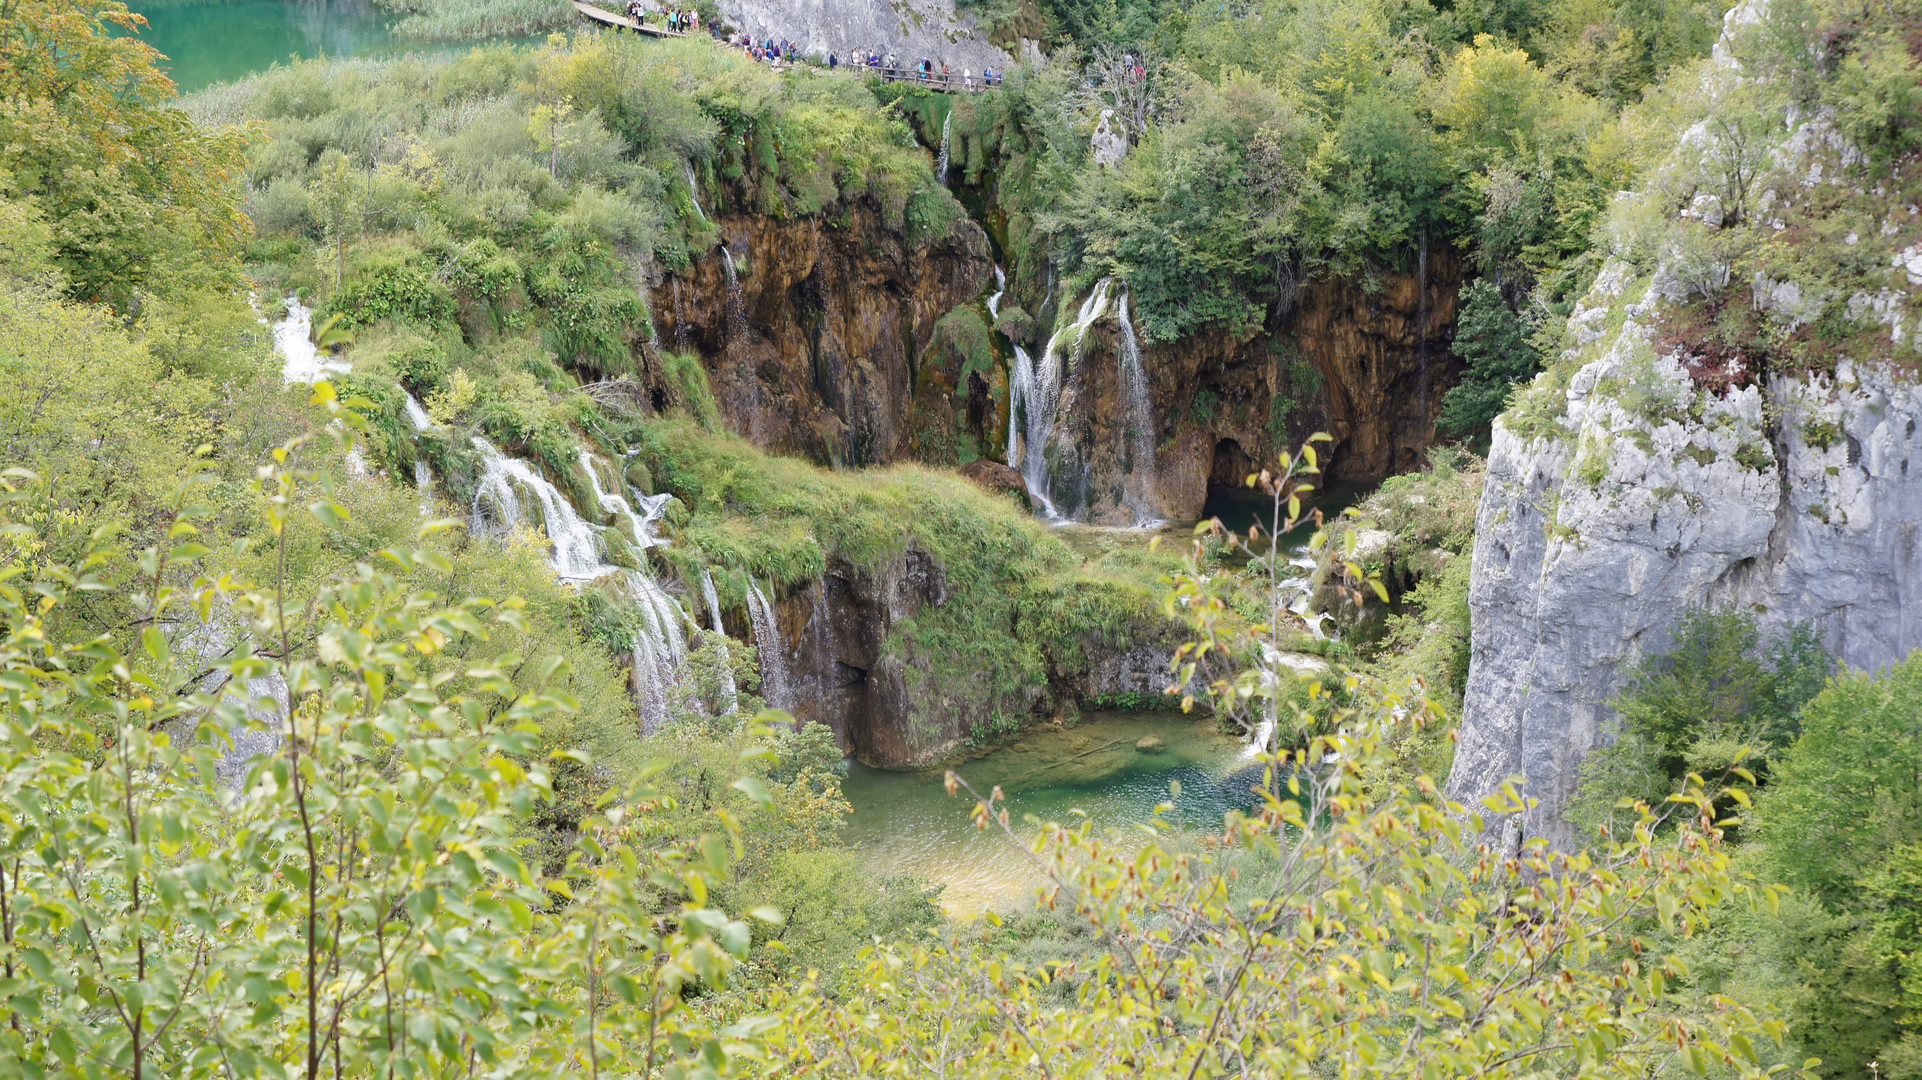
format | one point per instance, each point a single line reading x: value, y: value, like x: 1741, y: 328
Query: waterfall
x: 416, y: 414
x: 1020, y: 396
x: 1139, y: 418
x: 736, y: 304
x: 659, y: 648
x: 1000, y: 287
x: 300, y: 361
x: 659, y: 644
x: 1043, y: 394
x: 713, y: 599
x: 680, y: 319
x: 941, y: 165
x: 576, y: 549
x: 773, y: 650
x: 1421, y: 335
x: 694, y: 192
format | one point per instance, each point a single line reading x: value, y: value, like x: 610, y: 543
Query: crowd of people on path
x: 674, y: 20
x: 770, y: 51
x: 924, y: 70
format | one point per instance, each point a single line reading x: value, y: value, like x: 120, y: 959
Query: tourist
x: 967, y: 79
x: 833, y: 61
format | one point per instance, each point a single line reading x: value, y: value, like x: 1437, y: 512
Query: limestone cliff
x: 812, y: 348
x: 1667, y: 461
x: 910, y: 29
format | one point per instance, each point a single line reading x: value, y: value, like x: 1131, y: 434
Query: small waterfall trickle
x: 423, y: 472
x: 1000, y: 288
x: 680, y: 319
x: 1421, y: 338
x: 1043, y: 394
x: 300, y: 362
x: 694, y: 192
x: 1139, y: 418
x: 773, y: 649
x: 736, y: 302
x: 941, y: 165
x: 730, y: 694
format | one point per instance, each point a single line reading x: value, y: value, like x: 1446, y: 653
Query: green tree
x: 1493, y: 341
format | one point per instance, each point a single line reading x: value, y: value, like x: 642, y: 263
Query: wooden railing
x: 933, y: 80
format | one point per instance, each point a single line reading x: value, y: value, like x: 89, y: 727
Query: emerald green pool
x: 905, y: 823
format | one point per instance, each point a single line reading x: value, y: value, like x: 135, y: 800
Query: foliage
x: 1721, y: 697
x: 137, y: 197
x: 1493, y: 341
x: 1348, y: 925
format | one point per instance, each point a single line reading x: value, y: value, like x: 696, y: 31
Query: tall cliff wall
x: 1662, y: 465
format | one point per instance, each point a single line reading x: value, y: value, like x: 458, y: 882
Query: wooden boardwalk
x: 621, y: 22
x: 946, y: 84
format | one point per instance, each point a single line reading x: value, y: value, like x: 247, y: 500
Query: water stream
x: 694, y: 192
x: 941, y: 165
x: 1139, y: 421
x: 300, y: 362
x: 730, y: 694
x: 736, y: 302
x: 905, y: 824
x: 772, y: 647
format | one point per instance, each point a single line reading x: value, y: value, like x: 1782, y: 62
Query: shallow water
x: 214, y: 41
x: 905, y: 823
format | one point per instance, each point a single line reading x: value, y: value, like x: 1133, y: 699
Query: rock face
x: 1367, y: 367
x: 814, y: 349
x: 1650, y: 471
x: 849, y: 670
x: 910, y: 29
x: 1574, y: 573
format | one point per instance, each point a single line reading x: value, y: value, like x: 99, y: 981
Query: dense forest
x: 450, y: 707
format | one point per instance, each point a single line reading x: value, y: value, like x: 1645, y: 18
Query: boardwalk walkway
x: 946, y: 84
x: 608, y: 18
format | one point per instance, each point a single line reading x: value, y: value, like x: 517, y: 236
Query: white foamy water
x: 300, y: 362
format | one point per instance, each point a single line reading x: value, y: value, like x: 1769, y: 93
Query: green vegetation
x: 297, y: 779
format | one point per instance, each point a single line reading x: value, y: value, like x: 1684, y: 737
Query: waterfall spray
x: 941, y: 166
x: 767, y: 640
x: 694, y: 192
x: 736, y: 303
x: 731, y: 697
x: 1139, y: 420
x: 1042, y: 396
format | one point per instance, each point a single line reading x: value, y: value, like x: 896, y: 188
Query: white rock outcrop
x: 912, y: 30
x: 1625, y: 489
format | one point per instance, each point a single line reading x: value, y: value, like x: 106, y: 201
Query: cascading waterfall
x: 576, y: 549
x: 1139, y: 418
x: 729, y: 694
x: 694, y: 192
x: 773, y: 650
x: 736, y: 302
x: 941, y: 166
x: 1000, y: 288
x: 300, y: 362
x: 1020, y: 407
x: 659, y: 645
x: 1042, y: 396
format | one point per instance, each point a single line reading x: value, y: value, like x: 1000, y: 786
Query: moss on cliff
x: 1020, y: 608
